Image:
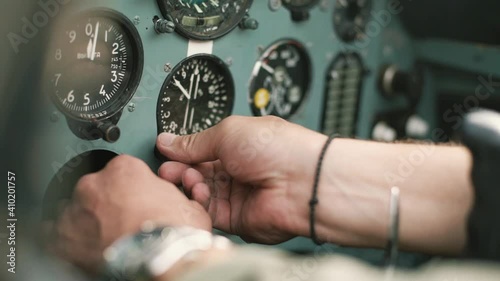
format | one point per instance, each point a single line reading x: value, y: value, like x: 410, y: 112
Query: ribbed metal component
x: 342, y: 93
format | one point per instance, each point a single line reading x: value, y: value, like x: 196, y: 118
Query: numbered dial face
x: 280, y: 80
x: 95, y: 65
x: 204, y: 19
x: 198, y: 94
x: 350, y: 18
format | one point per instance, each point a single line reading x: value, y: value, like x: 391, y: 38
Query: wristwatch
x: 153, y: 251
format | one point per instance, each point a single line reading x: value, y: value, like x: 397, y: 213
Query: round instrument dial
x: 198, y: 94
x: 350, y: 18
x: 95, y: 65
x: 280, y: 79
x: 204, y: 19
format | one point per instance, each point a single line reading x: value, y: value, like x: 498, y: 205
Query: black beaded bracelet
x: 314, y: 199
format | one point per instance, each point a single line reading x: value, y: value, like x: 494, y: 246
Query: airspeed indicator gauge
x: 94, y: 66
x: 197, y: 95
x: 280, y: 79
x: 204, y: 19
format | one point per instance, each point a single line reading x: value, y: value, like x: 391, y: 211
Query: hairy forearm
x: 354, y: 194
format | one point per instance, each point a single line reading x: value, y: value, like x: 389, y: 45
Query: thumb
x: 190, y: 149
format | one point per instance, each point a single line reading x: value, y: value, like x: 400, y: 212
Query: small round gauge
x: 198, y: 94
x: 204, y: 19
x: 95, y: 65
x: 350, y: 18
x: 280, y: 79
x: 344, y: 79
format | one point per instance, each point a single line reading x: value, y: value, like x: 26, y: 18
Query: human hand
x: 253, y: 175
x: 116, y: 202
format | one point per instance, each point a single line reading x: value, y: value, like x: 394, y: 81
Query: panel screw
x: 260, y: 49
x: 167, y: 67
x: 229, y: 61
x: 54, y: 116
x: 131, y: 107
x: 163, y: 25
x: 137, y: 20
x: 274, y: 5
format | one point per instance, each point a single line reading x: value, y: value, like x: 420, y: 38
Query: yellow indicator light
x: 262, y: 98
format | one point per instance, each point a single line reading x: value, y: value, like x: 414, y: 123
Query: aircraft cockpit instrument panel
x: 119, y: 72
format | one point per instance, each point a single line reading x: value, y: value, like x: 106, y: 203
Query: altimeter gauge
x: 94, y: 67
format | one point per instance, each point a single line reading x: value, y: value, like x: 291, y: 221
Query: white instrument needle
x: 196, y: 88
x: 183, y: 90
x: 268, y: 68
x: 95, y: 40
x: 189, y: 101
x: 89, y: 49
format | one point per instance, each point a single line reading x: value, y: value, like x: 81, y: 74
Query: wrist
x: 302, y: 181
x: 329, y: 221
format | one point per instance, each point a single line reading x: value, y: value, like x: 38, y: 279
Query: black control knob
x: 396, y: 82
x: 298, y: 16
x: 110, y: 132
x: 249, y: 23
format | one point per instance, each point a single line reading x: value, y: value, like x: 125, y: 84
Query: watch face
x: 127, y: 257
x: 146, y: 254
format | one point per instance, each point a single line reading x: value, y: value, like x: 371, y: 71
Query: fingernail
x: 167, y: 139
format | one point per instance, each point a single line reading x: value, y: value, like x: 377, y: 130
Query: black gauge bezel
x: 308, y: 72
x: 225, y: 71
x: 62, y: 184
x: 299, y: 8
x: 326, y: 91
x: 121, y: 98
x: 354, y: 35
x: 189, y: 35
